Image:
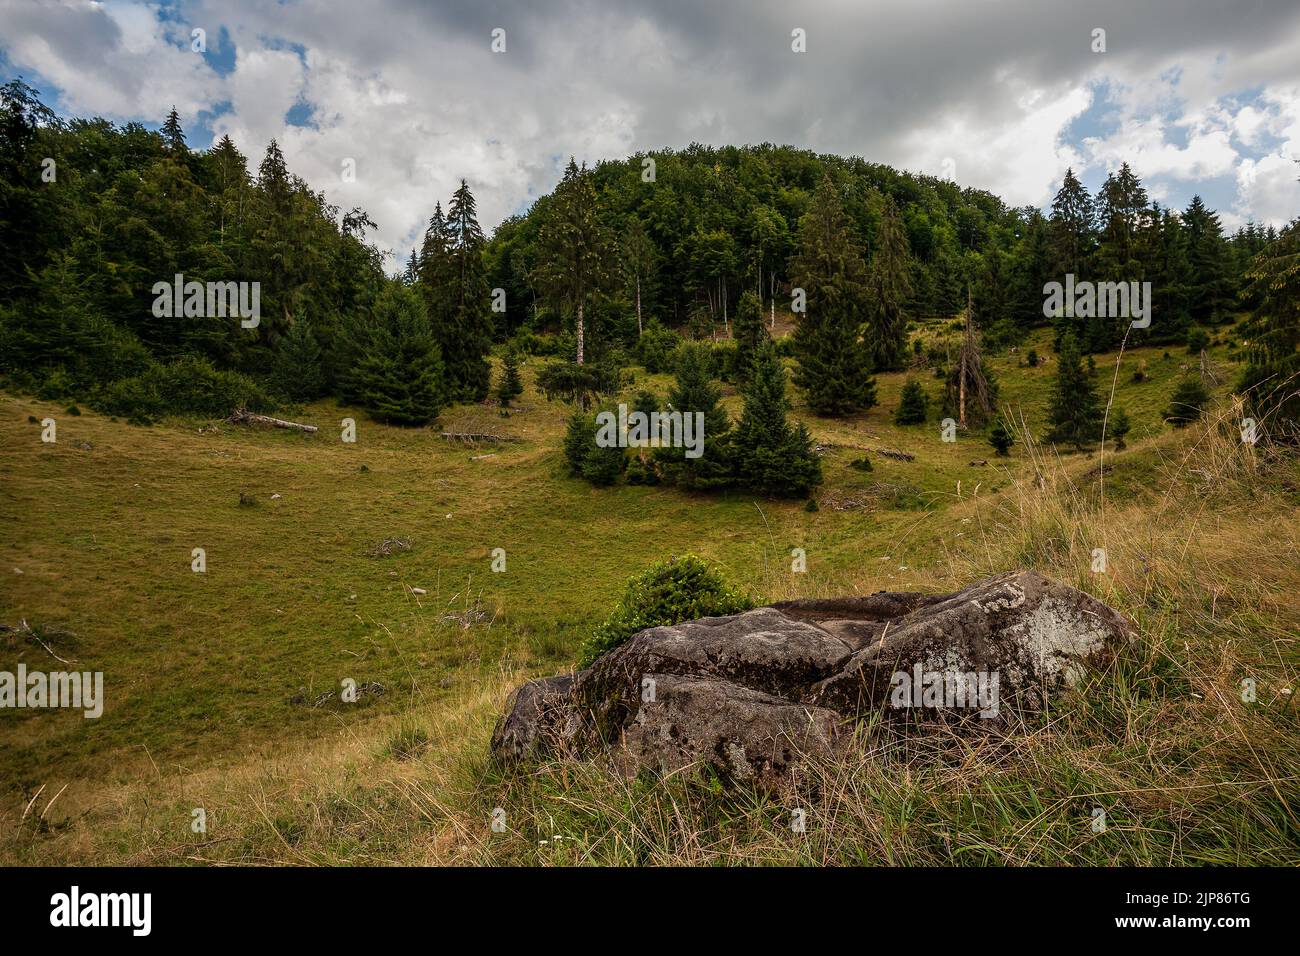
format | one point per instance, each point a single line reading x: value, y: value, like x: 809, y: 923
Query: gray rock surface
x: 751, y: 693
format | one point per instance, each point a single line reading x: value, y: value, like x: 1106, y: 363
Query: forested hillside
x: 94, y: 216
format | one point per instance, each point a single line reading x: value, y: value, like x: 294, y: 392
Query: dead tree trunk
x: 245, y: 417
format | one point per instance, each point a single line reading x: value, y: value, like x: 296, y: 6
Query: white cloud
x: 1022, y: 161
x: 412, y: 92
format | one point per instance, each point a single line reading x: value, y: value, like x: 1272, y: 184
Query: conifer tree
x: 1211, y: 295
x: 510, y: 386
x: 1271, y: 380
x: 1075, y: 414
x: 971, y: 392
x: 834, y: 363
x: 572, y: 248
x: 297, y: 373
x: 1171, y: 277
x: 433, y: 270
x: 397, y: 372
x: 769, y: 454
x: 750, y: 332
x: 889, y: 285
x: 1001, y: 438
x: 913, y: 406
x: 172, y: 133
x: 465, y: 334
x: 1119, y: 427
x: 695, y: 391
x: 1123, y: 213
x: 1031, y: 270
x: 1072, y: 227
x: 1188, y: 402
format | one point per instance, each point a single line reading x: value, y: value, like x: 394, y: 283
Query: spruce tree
x: 1001, y: 438
x: 1124, y: 220
x: 1075, y: 414
x: 769, y: 454
x: 913, y: 406
x: 695, y: 391
x: 889, y: 285
x: 834, y: 364
x: 510, y: 386
x: 572, y: 248
x: 750, y: 332
x: 172, y: 133
x: 465, y: 331
x: 297, y: 374
x: 1119, y: 427
x: 397, y: 372
x: 586, y: 458
x: 970, y: 393
x: 1072, y: 227
x: 1123, y: 214
x: 1031, y: 270
x: 579, y: 438
x: 1211, y: 295
x: 1188, y: 402
x: 1170, y: 272
x: 1269, y: 381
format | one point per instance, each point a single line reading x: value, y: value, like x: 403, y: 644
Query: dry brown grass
x: 1200, y: 534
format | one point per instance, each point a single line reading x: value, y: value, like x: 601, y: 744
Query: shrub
x: 641, y: 471
x: 656, y: 346
x: 187, y: 386
x: 577, y: 384
x: 526, y: 342
x: 669, y: 592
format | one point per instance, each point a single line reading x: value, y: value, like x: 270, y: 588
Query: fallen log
x: 478, y: 436
x: 895, y: 453
x: 243, y: 417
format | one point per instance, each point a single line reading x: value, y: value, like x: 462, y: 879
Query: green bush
x: 187, y: 386
x: 656, y: 346
x: 641, y: 472
x: 672, y: 591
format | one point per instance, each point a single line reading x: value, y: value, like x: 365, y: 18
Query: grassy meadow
x: 222, y: 688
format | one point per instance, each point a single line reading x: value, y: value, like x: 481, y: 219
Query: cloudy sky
x: 1197, y: 95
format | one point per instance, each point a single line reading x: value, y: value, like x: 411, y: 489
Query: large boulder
x: 750, y: 693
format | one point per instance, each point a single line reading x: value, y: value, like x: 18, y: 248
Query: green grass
x: 219, y: 683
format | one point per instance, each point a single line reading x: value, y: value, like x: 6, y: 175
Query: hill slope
x: 222, y: 688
